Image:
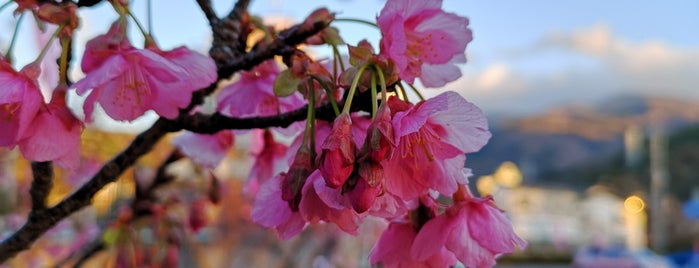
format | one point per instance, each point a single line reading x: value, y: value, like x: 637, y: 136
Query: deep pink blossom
x: 322, y: 203
x: 100, y: 48
x: 204, y: 149
x: 132, y: 81
x: 474, y: 229
x: 393, y: 249
x: 432, y: 138
x: 338, y: 152
x: 270, y: 160
x: 20, y: 100
x: 54, y: 135
x: 271, y: 211
x: 253, y: 94
x: 423, y: 40
x: 200, y: 73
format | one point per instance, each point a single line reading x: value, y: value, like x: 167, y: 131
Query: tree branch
x: 40, y: 221
x: 41, y: 185
x: 205, y: 6
x: 140, y: 206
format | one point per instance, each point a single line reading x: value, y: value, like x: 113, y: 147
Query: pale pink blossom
x: 432, y: 138
x: 20, y: 101
x: 423, y: 40
x: 271, y: 211
x: 474, y: 229
x: 205, y: 149
x: 393, y: 249
x: 54, y: 135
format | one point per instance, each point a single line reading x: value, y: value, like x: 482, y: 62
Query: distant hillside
x: 567, y: 137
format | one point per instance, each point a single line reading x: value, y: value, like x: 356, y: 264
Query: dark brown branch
x: 283, y: 43
x: 41, y: 185
x: 140, y: 206
x: 287, y: 40
x: 209, y: 124
x: 205, y: 6
x: 40, y: 221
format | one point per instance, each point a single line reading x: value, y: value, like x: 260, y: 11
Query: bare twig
x: 205, y: 6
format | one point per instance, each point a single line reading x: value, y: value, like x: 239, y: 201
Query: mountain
x: 566, y: 137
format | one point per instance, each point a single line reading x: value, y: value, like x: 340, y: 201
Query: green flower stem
x: 382, y: 82
x: 63, y: 66
x: 353, y: 89
x: 48, y: 44
x: 311, y: 118
x: 149, y: 8
x: 329, y: 92
x: 416, y: 91
x: 357, y: 21
x: 14, y: 37
x: 6, y: 4
x: 146, y: 35
x: 403, y: 95
x: 374, y: 103
x: 336, y: 52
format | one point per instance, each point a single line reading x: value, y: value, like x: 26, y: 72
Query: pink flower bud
x: 293, y: 181
x: 337, y: 156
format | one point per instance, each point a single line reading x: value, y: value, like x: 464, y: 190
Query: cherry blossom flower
x: 270, y: 160
x: 432, y: 138
x: 127, y: 82
x: 271, y: 211
x: 54, y: 135
x: 100, y: 48
x: 391, y: 250
x: 253, y: 94
x: 322, y: 203
x: 130, y: 83
x: 206, y: 150
x: 20, y: 101
x: 423, y: 40
x: 474, y: 229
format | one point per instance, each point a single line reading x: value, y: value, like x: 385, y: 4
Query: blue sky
x: 526, y: 57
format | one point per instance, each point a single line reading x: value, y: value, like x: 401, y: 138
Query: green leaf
x: 111, y: 236
x: 286, y: 83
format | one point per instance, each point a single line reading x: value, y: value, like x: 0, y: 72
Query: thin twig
x: 205, y: 6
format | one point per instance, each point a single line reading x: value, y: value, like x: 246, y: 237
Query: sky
x: 526, y: 56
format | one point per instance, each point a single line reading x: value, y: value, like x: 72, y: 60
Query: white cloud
x: 620, y: 67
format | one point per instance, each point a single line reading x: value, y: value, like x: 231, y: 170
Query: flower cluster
x: 394, y: 162
x: 377, y: 153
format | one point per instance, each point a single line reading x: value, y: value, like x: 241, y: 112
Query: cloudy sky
x: 526, y: 55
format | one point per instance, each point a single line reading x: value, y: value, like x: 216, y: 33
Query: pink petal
x: 432, y: 237
x: 269, y: 209
x: 206, y: 150
x: 466, y: 126
x: 491, y: 229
